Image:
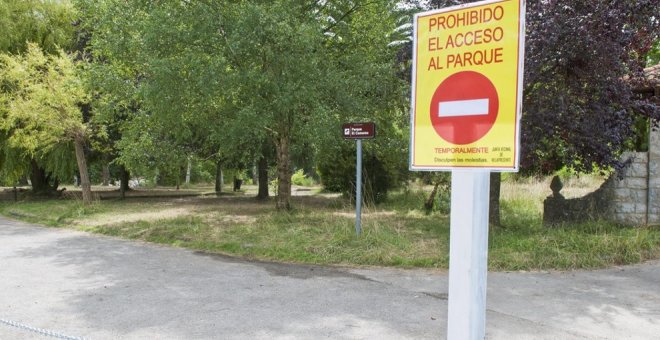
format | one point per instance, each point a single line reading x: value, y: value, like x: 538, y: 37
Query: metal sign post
x: 358, y: 188
x: 358, y: 131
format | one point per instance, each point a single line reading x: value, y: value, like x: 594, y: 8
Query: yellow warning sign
x: 467, y: 86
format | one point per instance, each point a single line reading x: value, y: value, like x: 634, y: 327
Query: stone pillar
x: 630, y: 195
x: 653, y: 203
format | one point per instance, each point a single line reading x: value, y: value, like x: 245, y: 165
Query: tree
x: 582, y: 60
x: 158, y: 80
x: 48, y: 24
x: 43, y: 97
x: 232, y: 79
x: 278, y: 70
x: 365, y: 88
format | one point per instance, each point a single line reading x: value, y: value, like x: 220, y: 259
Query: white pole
x: 468, y: 255
x: 188, y: 170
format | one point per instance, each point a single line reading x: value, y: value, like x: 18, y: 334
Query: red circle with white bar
x: 464, y: 107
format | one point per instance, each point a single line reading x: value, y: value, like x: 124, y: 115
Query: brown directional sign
x: 358, y: 130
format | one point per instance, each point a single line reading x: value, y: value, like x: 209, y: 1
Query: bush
x: 337, y: 171
x: 299, y: 178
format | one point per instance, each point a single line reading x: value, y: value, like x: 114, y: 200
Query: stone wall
x: 627, y: 197
x: 631, y: 198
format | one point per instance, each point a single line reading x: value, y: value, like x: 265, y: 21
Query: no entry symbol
x: 464, y: 107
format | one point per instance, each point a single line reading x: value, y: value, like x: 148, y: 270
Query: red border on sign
x: 515, y: 151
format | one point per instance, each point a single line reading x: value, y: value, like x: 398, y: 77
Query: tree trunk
x: 218, y: 178
x: 82, y: 168
x: 494, y: 199
x: 430, y: 202
x: 283, y: 173
x: 124, y: 177
x: 23, y: 181
x: 178, y: 178
x: 188, y: 170
x: 105, y: 174
x: 262, y: 170
x: 41, y: 180
x: 255, y: 174
x: 38, y: 178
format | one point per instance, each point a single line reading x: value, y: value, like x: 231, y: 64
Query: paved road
x: 98, y: 287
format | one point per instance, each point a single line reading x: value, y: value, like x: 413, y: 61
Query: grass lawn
x: 320, y: 229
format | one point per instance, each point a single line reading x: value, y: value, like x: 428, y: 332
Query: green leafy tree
x: 365, y: 88
x: 118, y: 76
x: 157, y: 82
x: 278, y: 70
x: 48, y: 24
x: 42, y: 97
x: 315, y: 65
x: 231, y: 78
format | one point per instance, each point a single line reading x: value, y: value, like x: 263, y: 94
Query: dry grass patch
x: 113, y: 218
x: 367, y: 214
x: 220, y: 219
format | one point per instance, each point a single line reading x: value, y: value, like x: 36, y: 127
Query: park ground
x: 320, y: 228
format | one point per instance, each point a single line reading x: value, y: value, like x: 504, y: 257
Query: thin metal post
x: 358, y: 189
x: 468, y: 255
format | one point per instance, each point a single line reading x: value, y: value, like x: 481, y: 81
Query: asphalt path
x: 95, y: 287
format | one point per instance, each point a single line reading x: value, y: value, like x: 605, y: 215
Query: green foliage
x: 443, y: 201
x: 653, y: 57
x: 41, y: 117
x: 367, y: 90
x: 219, y: 79
x: 203, y: 171
x: 565, y: 173
x: 46, y: 23
x: 273, y: 185
x: 299, y: 178
x: 381, y: 169
x: 230, y: 174
x: 43, y: 94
